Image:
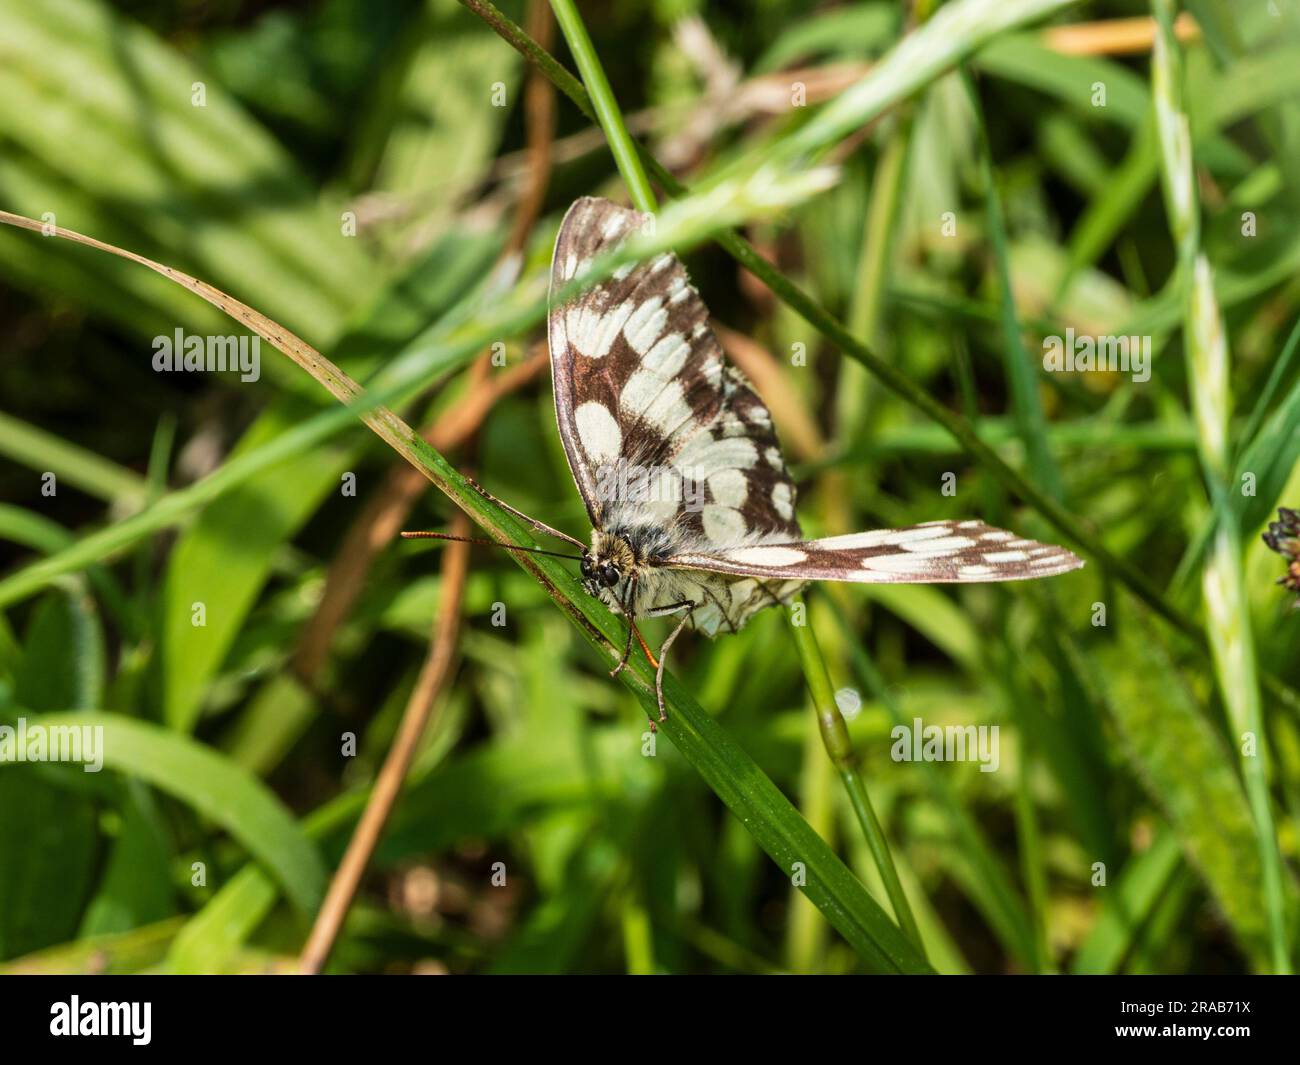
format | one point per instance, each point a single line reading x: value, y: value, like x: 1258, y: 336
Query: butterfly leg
x: 627, y: 650
x: 626, y: 606
x: 689, y: 605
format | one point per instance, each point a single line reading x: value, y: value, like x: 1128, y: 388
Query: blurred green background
x: 371, y: 175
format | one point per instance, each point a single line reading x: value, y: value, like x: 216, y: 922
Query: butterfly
x: 692, y: 507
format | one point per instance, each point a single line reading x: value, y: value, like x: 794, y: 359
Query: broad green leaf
x: 136, y: 887
x: 63, y: 653
x: 48, y: 845
x: 215, y: 788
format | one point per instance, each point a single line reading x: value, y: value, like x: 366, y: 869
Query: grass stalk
x: 95, y: 475
x: 839, y: 746
x: 1006, y: 910
x: 866, y: 311
x: 606, y: 107
x: 1021, y: 375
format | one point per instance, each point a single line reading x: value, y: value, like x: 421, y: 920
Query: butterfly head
x: 606, y: 565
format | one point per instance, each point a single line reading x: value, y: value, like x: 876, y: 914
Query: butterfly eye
x: 609, y: 575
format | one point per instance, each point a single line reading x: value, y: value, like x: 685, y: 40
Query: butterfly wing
x: 660, y: 431
x: 935, y: 552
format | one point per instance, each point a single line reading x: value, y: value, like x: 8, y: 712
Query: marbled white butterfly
x: 691, y: 505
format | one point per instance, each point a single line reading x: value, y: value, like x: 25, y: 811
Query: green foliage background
x: 1122, y: 742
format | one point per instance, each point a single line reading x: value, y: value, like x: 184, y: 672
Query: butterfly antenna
x: 533, y: 523
x: 486, y: 543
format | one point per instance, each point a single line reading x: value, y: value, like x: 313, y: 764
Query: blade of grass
x: 213, y: 786
x: 866, y: 312
x: 1129, y: 903
x: 95, y: 475
x: 1028, y: 831
x: 955, y: 31
x: 807, y: 934
x: 48, y: 536
x: 102, y: 955
x: 839, y: 748
x: 210, y: 938
x: 1020, y: 369
x: 607, y: 110
x: 1281, y: 368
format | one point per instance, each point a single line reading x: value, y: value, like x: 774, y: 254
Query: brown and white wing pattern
x: 660, y: 431
x: 936, y: 552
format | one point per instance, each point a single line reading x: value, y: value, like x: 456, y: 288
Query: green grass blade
x: 215, y: 788
x: 955, y: 31
x: 607, y: 110
x: 1021, y: 372
x: 839, y: 748
x: 1129, y: 903
x: 95, y: 475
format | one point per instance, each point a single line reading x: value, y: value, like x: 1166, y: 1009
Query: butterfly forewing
x: 658, y: 428
x: 936, y: 552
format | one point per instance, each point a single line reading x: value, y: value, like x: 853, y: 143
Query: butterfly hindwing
x: 658, y: 428
x: 936, y: 552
